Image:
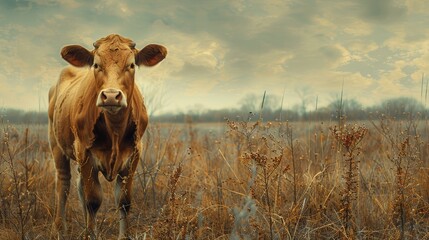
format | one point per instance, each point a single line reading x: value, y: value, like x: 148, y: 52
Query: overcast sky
x: 220, y: 51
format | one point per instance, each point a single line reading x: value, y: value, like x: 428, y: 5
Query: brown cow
x: 97, y: 117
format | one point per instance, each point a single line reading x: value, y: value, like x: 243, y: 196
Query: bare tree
x: 250, y: 103
x: 304, y: 94
x: 154, y: 97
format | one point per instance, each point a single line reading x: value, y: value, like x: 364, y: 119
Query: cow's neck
x: 116, y: 124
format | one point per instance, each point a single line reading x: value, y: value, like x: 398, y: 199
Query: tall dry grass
x: 242, y: 179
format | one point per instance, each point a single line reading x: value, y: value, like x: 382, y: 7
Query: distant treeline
x: 17, y: 116
x: 398, y: 108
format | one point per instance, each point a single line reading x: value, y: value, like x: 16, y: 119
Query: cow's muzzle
x: 112, y: 100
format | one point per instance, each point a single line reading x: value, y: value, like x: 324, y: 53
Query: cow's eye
x: 96, y: 66
x: 132, y: 65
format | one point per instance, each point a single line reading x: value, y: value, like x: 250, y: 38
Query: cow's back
x: 63, y: 98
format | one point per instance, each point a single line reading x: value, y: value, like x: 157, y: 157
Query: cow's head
x: 113, y: 63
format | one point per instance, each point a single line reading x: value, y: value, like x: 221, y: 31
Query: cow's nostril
x: 118, y: 97
x: 103, y: 96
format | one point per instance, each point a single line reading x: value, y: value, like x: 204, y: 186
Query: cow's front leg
x: 124, y: 182
x: 62, y: 165
x: 91, y: 196
x: 123, y: 202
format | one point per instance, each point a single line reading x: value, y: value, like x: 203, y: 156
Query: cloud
x: 358, y: 28
x: 115, y: 8
x: 386, y: 12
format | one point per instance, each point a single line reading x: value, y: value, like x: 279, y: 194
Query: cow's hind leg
x: 91, y: 196
x: 62, y: 164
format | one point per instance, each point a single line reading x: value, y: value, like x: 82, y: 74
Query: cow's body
x: 97, y: 117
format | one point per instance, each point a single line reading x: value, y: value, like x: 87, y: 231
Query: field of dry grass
x: 240, y: 180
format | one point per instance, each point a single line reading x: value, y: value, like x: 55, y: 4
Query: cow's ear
x: 151, y: 55
x: 77, y: 56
